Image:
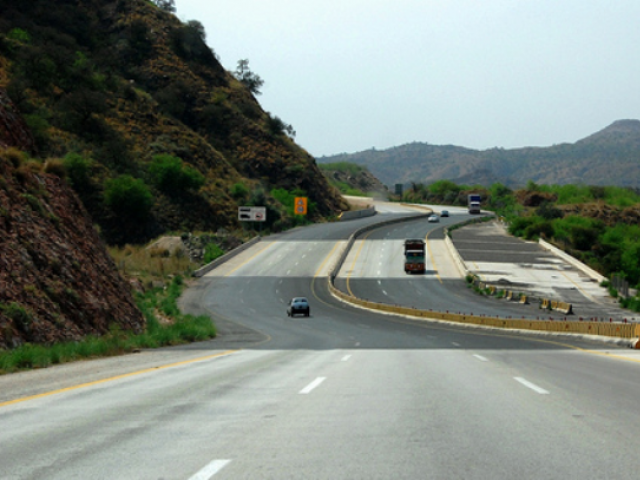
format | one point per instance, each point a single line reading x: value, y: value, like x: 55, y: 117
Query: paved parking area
x: 514, y: 264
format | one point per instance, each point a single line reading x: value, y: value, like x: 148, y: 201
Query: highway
x: 344, y: 394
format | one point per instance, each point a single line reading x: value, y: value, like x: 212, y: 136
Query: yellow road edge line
x: 317, y: 274
x: 433, y: 260
x: 353, y: 264
x: 117, y: 377
x: 249, y: 259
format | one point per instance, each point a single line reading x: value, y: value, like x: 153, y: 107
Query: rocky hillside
x: 351, y: 179
x: 57, y: 280
x: 608, y: 157
x: 131, y: 98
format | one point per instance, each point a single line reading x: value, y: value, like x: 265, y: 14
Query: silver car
x: 298, y: 305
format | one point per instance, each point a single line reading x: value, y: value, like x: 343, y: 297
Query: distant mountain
x: 608, y: 157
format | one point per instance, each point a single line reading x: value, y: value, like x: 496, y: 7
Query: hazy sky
x: 350, y: 75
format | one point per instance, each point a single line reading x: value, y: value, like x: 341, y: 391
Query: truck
x: 414, y: 255
x: 473, y: 202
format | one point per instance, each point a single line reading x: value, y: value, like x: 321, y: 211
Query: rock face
x: 13, y: 130
x: 57, y: 282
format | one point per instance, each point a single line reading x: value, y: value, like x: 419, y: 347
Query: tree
x: 128, y: 196
x: 249, y: 79
x: 166, y: 5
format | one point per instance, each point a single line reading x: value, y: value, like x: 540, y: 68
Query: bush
x: 211, y: 252
x: 78, y: 169
x: 239, y: 191
x: 128, y: 196
x: 170, y: 176
x: 55, y: 166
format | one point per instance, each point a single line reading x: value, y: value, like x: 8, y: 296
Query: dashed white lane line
x: 481, y: 358
x: 346, y: 358
x: 210, y: 470
x: 532, y: 386
x: 309, y: 388
x: 455, y: 344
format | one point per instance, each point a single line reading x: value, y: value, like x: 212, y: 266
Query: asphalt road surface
x: 343, y: 394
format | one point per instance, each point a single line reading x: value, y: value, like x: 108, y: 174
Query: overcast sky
x: 350, y: 75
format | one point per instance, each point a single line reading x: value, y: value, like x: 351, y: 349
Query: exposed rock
x: 57, y: 281
x: 13, y: 130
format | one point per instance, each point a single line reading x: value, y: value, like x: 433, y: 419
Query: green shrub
x: 211, y: 252
x: 239, y: 191
x: 78, y: 170
x: 19, y: 35
x: 171, y: 176
x: 128, y: 196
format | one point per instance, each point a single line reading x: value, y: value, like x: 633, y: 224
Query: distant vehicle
x: 473, y: 201
x: 433, y: 218
x: 298, y: 305
x: 444, y: 213
x: 414, y: 256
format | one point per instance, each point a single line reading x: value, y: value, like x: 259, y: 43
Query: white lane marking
x: 312, y: 385
x: 532, y: 386
x: 346, y: 358
x: 455, y: 344
x: 357, y: 344
x: 481, y: 358
x: 379, y: 282
x: 385, y: 293
x: 288, y: 272
x: 210, y: 470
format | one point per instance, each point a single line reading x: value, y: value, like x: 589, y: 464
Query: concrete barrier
x: 573, y: 261
x: 617, y: 330
x: 508, y: 295
x: 353, y: 214
x: 225, y: 258
x: 524, y: 299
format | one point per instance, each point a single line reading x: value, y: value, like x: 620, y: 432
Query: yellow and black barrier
x: 508, y: 295
x: 524, y: 299
x: 619, y: 330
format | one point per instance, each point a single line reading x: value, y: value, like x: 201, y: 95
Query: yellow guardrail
x: 620, y: 330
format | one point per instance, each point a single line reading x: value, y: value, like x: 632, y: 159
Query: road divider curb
x: 617, y: 330
x: 626, y: 331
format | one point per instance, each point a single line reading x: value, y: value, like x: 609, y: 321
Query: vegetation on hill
x: 609, y: 157
x: 353, y: 179
x: 599, y: 225
x: 153, y: 133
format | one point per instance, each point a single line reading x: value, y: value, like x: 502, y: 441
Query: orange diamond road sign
x: 300, y: 206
